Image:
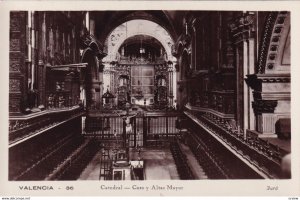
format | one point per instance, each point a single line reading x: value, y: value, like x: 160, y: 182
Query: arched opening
x: 141, y: 50
x: 137, y: 27
x: 183, y: 74
x: 90, y: 90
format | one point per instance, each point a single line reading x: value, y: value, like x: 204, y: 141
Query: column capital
x: 264, y: 106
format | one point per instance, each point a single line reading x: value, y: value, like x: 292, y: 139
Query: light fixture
x: 142, y: 50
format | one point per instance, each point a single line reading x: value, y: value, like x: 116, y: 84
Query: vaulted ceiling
x: 106, y: 21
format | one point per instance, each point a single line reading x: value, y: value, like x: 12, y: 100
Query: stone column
x: 271, y: 99
x: 242, y: 31
x: 264, y: 110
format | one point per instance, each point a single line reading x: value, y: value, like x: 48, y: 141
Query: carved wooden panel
x: 14, y: 21
x: 14, y: 44
x: 17, y: 46
x: 14, y: 64
x: 14, y: 103
x: 14, y: 85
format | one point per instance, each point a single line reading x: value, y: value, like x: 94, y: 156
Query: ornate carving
x: 14, y: 44
x: 90, y: 41
x: 182, y: 43
x: 14, y: 22
x: 17, y: 124
x: 242, y: 27
x: 270, y: 41
x: 264, y: 106
x: 14, y: 104
x: 14, y: 85
x: 141, y: 61
x: 273, y: 46
x: 14, y: 65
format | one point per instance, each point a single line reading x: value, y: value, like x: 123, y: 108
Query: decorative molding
x: 14, y: 65
x: 15, y: 44
x: 209, y: 111
x: 276, y: 39
x: 270, y: 41
x: 264, y: 106
x: 14, y: 85
x: 255, y: 80
x: 14, y: 103
x: 24, y: 126
x: 139, y: 61
x: 15, y: 21
x: 90, y: 41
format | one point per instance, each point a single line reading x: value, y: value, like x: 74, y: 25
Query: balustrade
x: 23, y: 126
x: 257, y: 151
x: 220, y: 101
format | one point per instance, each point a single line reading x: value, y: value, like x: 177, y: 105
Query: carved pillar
x: 242, y: 32
x: 41, y: 82
x: 170, y: 81
x: 17, y: 67
x: 175, y: 83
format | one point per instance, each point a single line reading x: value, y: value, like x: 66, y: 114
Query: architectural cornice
x: 254, y: 80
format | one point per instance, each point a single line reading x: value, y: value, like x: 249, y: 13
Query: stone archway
x: 131, y: 29
x: 137, y: 27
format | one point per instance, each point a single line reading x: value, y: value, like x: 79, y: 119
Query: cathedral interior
x: 149, y: 95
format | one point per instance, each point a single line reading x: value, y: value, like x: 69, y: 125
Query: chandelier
x: 142, y: 50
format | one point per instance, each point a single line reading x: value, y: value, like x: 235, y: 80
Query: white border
x: 200, y: 187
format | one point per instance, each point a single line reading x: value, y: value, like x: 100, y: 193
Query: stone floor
x: 159, y: 165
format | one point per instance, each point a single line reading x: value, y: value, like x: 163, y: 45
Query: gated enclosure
x: 149, y: 129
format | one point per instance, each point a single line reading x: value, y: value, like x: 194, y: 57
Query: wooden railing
x: 183, y: 168
x: 29, y: 125
x: 219, y: 101
x: 72, y: 165
x: 256, y: 152
x: 27, y: 157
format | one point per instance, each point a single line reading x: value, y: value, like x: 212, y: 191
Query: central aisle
x: 159, y: 165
